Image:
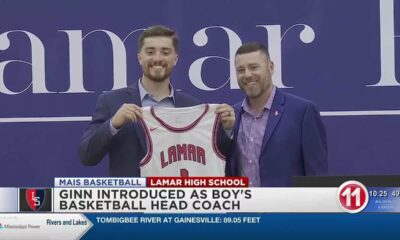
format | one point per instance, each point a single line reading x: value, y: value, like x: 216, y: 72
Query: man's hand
x: 227, y: 116
x: 126, y: 113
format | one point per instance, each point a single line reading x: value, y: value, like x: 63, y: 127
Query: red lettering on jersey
x: 191, y: 152
x: 172, y: 154
x: 186, y: 152
x: 181, y: 150
x: 163, y: 162
x: 201, y: 155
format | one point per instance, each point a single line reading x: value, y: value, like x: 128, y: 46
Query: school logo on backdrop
x: 35, y: 200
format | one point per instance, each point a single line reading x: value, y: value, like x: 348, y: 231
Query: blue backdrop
x: 56, y: 57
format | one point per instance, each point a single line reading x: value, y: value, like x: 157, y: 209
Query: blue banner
x: 243, y: 226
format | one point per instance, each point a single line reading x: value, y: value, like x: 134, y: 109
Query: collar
x: 143, y: 93
x: 267, y: 106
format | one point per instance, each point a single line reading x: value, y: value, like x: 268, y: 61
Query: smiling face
x: 254, y: 74
x: 157, y: 57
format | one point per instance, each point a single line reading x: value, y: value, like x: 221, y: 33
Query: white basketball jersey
x: 182, y: 142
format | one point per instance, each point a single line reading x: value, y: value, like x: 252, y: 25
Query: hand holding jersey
x: 227, y: 116
x: 131, y: 112
x: 126, y: 113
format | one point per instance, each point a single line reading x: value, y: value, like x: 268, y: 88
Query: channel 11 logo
x: 352, y: 196
x: 35, y: 200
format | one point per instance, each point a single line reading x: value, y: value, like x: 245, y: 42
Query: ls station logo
x: 35, y: 200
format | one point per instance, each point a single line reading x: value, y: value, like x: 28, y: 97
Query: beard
x: 157, y: 75
x: 257, y: 90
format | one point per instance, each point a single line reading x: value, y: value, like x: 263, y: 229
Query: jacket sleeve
x: 224, y: 142
x: 314, y: 143
x: 232, y: 167
x: 96, y: 140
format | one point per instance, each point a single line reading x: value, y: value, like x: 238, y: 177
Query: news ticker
x: 247, y: 226
x: 193, y: 195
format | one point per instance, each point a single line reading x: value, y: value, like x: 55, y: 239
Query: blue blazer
x: 128, y: 146
x: 294, y: 142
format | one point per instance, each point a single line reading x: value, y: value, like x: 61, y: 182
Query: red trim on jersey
x: 149, y: 145
x: 214, y: 138
x: 183, y: 129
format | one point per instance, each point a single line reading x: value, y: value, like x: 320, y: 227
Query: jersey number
x: 184, y: 172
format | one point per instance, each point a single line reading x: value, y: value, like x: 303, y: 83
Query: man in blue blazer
x: 277, y: 135
x: 114, y: 128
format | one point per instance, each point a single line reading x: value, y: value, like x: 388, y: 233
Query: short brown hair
x: 252, y: 47
x: 159, y: 31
